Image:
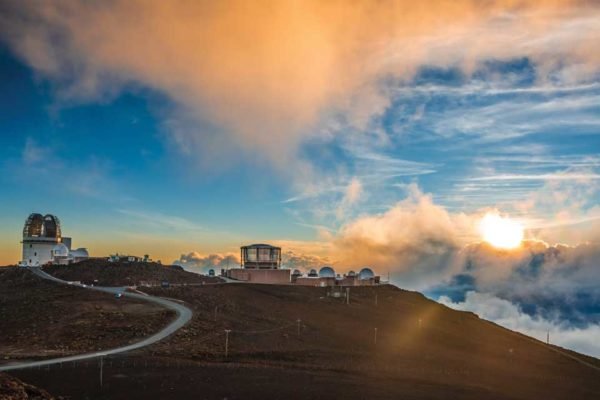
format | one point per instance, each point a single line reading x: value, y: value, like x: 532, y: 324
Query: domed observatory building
x: 40, y: 235
x: 260, y: 263
x: 325, y: 277
x: 43, y: 243
x: 261, y: 256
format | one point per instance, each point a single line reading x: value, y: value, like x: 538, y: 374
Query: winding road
x: 184, y: 314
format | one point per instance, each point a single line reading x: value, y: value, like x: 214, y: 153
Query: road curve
x: 184, y: 315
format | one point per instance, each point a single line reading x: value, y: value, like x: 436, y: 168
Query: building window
x: 251, y: 255
x: 35, y: 254
x: 30, y: 246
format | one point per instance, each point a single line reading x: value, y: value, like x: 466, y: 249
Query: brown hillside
x: 424, y: 351
x: 447, y: 348
x: 40, y: 319
x: 14, y: 389
x: 125, y: 273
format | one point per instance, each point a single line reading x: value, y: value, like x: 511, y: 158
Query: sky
x: 351, y: 134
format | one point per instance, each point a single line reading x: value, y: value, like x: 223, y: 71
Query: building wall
x: 36, y: 254
x: 272, y: 276
x: 346, y: 281
x: 317, y: 282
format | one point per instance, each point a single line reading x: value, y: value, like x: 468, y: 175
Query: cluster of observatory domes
x: 328, y: 272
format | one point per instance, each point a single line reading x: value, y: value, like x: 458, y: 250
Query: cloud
x: 511, y: 316
x: 555, y: 282
x: 541, y: 177
x: 259, y: 77
x: 415, y: 239
x: 352, y: 194
x: 47, y: 171
x: 202, y: 263
x: 160, y: 221
x: 301, y: 261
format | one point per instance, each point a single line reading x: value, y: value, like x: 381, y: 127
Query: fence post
x: 227, y: 342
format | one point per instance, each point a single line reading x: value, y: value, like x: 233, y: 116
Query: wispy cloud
x: 159, y: 221
x: 539, y: 177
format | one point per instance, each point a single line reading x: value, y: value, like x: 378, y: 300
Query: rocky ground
x: 40, y: 319
x: 103, y: 273
x: 12, y: 388
x: 304, y: 342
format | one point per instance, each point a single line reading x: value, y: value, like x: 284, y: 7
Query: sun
x: 501, y: 232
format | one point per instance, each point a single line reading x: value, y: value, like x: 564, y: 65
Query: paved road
x: 184, y: 314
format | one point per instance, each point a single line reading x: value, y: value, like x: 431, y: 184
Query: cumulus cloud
x: 416, y: 239
x: 301, y: 261
x: 258, y: 76
x: 202, y: 263
x: 511, y: 316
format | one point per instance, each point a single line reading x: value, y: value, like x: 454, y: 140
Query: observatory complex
x: 43, y: 243
x: 261, y: 263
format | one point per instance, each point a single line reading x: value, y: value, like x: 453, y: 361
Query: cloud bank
x: 259, y: 77
x: 195, y: 261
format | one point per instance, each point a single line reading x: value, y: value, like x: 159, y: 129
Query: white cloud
x: 509, y: 315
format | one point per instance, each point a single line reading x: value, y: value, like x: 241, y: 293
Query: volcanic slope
x: 41, y: 319
x: 103, y: 273
x: 384, y: 333
x: 12, y: 388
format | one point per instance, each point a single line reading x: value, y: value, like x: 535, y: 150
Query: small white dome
x: 60, y: 250
x: 327, y: 272
x: 366, y: 273
x: 351, y: 274
x: 80, y: 253
x: 313, y: 273
x: 297, y: 272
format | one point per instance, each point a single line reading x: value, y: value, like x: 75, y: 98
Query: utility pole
x: 101, y: 370
x: 227, y: 342
x: 347, y: 295
x: 548, y: 337
x: 375, y: 338
x: 298, y: 322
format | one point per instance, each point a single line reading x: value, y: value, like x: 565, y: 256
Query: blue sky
x: 348, y: 141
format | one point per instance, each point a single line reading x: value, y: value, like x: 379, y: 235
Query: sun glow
x: 501, y: 232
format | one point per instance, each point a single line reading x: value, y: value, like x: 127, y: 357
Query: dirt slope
x: 12, y: 388
x: 422, y: 350
x: 125, y: 274
x: 40, y: 319
x: 417, y: 340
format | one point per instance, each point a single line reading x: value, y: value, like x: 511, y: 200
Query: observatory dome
x: 47, y: 226
x: 327, y: 272
x: 351, y: 274
x: 365, y: 273
x: 60, y: 250
x: 80, y: 253
x: 313, y: 273
x: 297, y: 272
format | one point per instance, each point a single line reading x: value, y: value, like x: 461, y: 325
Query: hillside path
x: 184, y: 314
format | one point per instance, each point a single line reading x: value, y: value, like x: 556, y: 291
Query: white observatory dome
x: 351, y: 274
x: 80, y: 253
x: 60, y: 250
x: 296, y: 273
x: 365, y: 273
x: 327, y: 272
x: 313, y: 273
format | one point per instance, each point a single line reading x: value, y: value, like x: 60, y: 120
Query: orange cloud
x: 258, y: 76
